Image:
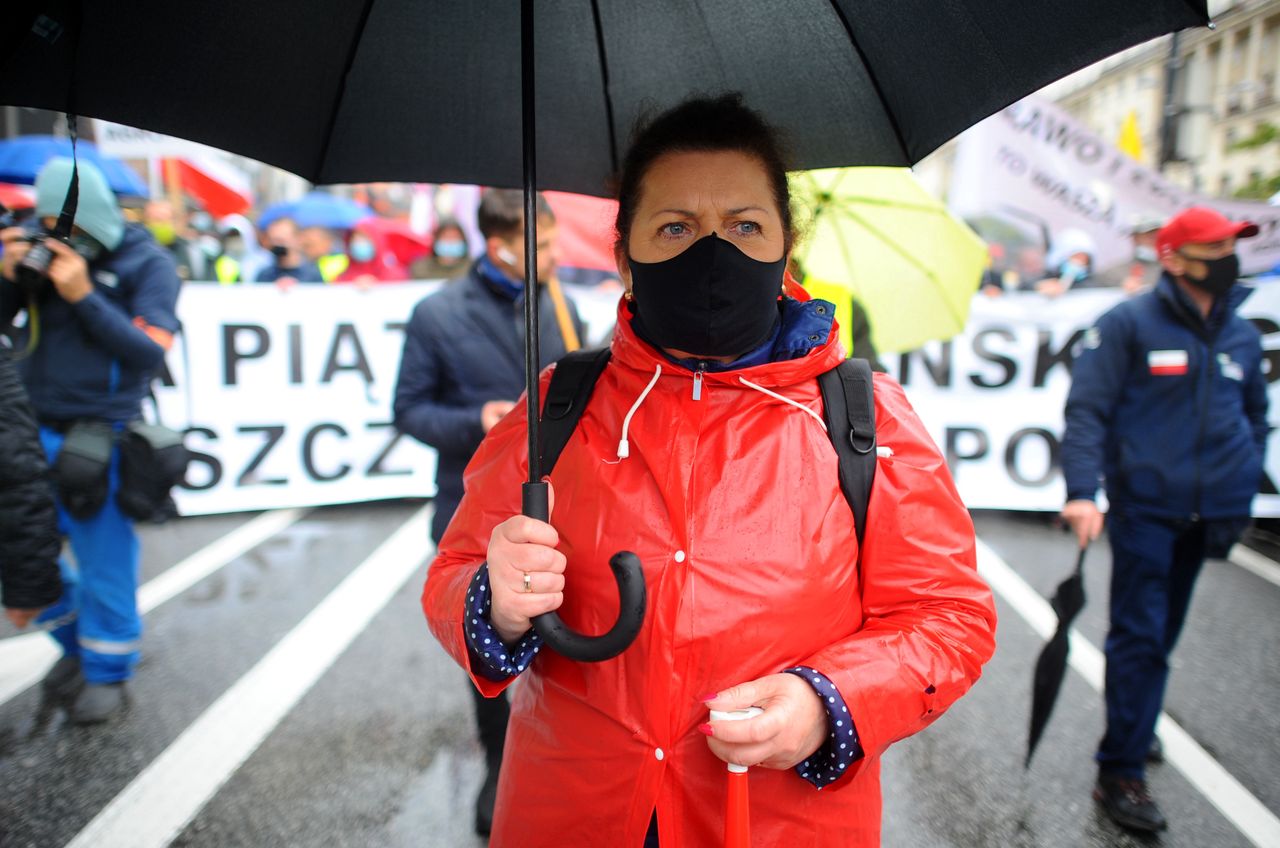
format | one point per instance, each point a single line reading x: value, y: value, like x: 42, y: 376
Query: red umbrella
x: 16, y: 197
x: 585, y: 230
x: 395, y: 235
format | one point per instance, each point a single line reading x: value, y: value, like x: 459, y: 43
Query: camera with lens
x: 32, y: 271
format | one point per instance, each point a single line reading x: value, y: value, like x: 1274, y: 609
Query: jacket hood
x: 632, y: 352
x: 97, y: 212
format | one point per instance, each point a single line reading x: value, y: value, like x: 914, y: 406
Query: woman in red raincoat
x: 703, y: 451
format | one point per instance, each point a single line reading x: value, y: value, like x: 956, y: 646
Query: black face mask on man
x: 710, y: 300
x: 1221, y: 276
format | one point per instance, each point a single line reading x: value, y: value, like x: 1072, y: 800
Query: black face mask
x: 710, y: 300
x: 1222, y: 275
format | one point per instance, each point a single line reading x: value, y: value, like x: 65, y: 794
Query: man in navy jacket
x: 463, y: 369
x: 105, y: 317
x: 1168, y: 410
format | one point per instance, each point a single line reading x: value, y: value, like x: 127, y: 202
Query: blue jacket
x: 92, y: 360
x: 1170, y: 408
x: 463, y: 347
x: 307, y: 272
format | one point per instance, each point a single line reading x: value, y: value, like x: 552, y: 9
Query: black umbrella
x: 1051, y: 667
x: 368, y: 90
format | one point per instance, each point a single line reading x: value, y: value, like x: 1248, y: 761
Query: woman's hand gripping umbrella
x: 527, y: 574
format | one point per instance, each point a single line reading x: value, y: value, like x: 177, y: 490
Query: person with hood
x: 100, y: 319
x: 1072, y: 260
x: 703, y: 450
x: 241, y: 257
x: 1167, y: 410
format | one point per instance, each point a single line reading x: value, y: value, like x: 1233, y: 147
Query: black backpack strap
x: 572, y: 382
x: 849, y: 408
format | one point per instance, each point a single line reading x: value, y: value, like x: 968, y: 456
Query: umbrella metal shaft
x: 529, y: 134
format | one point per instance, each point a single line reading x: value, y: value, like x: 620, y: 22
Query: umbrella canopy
x: 585, y: 227
x: 411, y: 90
x: 22, y: 158
x: 374, y: 90
x: 911, y: 264
x: 1051, y: 667
x: 318, y: 209
x: 17, y: 197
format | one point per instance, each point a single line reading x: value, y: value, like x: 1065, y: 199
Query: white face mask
x: 1073, y: 271
x: 1145, y: 253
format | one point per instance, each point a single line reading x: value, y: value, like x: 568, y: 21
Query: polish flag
x: 1165, y: 363
x: 221, y: 188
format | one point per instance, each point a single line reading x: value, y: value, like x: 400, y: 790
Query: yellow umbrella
x: 912, y: 265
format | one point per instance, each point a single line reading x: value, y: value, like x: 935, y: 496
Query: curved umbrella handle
x: 629, y: 576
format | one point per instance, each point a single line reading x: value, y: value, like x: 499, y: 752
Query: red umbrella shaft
x: 737, y: 810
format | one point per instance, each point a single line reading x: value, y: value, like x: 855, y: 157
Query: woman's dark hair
x: 702, y: 124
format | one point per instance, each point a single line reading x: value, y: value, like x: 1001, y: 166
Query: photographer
x: 100, y: 317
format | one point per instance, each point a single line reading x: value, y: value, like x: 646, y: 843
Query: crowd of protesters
x: 234, y: 250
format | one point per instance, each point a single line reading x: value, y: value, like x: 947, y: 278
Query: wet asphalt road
x: 380, y: 751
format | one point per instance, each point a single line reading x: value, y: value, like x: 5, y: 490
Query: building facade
x: 1225, y: 98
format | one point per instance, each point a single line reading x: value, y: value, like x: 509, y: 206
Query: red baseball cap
x: 1200, y: 225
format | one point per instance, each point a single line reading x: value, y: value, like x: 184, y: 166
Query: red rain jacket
x: 733, y: 504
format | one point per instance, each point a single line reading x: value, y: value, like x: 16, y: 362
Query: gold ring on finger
x: 528, y: 582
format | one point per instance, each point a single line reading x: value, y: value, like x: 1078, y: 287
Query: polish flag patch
x: 1167, y: 363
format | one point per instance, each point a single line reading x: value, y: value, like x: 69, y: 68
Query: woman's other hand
x: 523, y: 546
x: 793, y: 726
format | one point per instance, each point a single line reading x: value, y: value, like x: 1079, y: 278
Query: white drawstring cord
x: 815, y: 416
x: 624, y: 447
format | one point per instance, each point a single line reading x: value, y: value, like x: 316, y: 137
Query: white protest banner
x: 992, y: 397
x: 125, y: 142
x: 1034, y: 169
x: 288, y: 396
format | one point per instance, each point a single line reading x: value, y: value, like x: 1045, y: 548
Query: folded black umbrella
x: 1051, y: 667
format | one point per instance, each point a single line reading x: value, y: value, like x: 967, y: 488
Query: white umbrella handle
x: 737, y: 823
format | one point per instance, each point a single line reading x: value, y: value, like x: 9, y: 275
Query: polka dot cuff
x: 841, y: 749
x: 491, y: 658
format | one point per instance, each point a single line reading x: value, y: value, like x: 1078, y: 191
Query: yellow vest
x: 227, y: 270
x: 332, y: 266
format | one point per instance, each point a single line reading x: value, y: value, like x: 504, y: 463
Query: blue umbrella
x: 22, y: 158
x: 318, y: 209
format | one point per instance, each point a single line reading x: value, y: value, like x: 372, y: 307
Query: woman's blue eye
x: 673, y: 229
x: 747, y: 228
